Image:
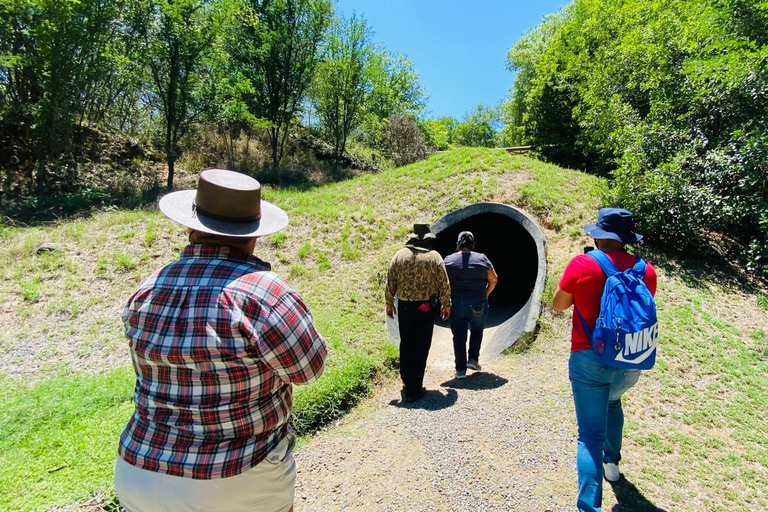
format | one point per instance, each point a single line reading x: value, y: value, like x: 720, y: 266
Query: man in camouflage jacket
x: 417, y: 276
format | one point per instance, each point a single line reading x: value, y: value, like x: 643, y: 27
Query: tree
x: 342, y: 85
x: 178, y: 37
x: 437, y: 134
x: 277, y: 49
x: 479, y: 127
x: 394, y: 89
x: 667, y: 98
x: 54, y: 59
x: 395, y: 86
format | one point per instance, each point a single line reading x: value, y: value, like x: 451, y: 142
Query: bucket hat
x: 421, y: 232
x: 225, y: 203
x: 421, y: 238
x: 614, y: 223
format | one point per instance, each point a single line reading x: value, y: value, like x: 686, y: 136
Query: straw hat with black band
x: 225, y: 203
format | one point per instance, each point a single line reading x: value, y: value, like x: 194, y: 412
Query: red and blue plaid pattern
x: 216, y: 340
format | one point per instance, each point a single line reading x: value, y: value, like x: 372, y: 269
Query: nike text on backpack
x: 626, y: 330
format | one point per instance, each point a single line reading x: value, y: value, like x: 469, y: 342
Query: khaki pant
x: 266, y: 487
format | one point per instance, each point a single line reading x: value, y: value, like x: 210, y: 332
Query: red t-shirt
x: 584, y: 278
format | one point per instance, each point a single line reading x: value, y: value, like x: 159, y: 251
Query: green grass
x: 58, y: 439
x: 695, y: 429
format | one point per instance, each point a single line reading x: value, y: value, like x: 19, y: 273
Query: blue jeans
x: 467, y: 313
x: 597, y: 391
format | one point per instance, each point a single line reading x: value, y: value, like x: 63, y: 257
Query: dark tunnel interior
x: 512, y: 251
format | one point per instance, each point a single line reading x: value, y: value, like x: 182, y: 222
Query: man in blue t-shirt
x: 472, y: 280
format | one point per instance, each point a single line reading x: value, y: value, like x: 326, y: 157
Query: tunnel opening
x: 511, y: 250
x: 515, y: 245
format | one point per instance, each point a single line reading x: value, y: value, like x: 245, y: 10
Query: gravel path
x: 503, y: 439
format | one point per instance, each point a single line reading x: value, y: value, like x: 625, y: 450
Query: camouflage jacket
x: 416, y: 274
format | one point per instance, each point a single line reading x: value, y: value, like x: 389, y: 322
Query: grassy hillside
x: 65, y: 367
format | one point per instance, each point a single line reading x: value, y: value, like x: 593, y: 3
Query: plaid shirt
x: 216, y: 340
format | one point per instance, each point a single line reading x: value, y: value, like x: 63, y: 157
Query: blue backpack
x: 626, y: 330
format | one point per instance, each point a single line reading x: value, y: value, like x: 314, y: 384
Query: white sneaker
x: 611, y: 472
x: 460, y: 375
x: 472, y: 364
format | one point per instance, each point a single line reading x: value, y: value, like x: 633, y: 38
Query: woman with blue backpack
x: 613, y: 338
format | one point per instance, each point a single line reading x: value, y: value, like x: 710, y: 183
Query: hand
x: 445, y: 313
x: 391, y: 311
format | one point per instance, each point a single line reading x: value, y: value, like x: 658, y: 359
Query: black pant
x: 415, y: 339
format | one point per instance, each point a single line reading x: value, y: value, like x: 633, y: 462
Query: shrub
x: 340, y: 387
x: 402, y: 140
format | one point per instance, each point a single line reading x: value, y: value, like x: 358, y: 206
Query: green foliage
x: 276, y: 48
x: 360, y: 87
x: 30, y: 290
x: 305, y: 249
x: 278, y: 239
x: 75, y: 72
x: 668, y: 96
x: 177, y: 38
x: 340, y: 387
x: 436, y: 134
x: 479, y: 128
x: 395, y: 86
x: 342, y: 84
x: 56, y: 59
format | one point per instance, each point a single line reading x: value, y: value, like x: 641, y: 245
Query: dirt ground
x: 503, y: 439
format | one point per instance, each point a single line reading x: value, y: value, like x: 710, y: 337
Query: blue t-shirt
x: 467, y: 273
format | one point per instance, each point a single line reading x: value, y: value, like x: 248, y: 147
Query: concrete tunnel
x: 515, y: 244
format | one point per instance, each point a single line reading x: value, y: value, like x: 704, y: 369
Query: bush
x: 340, y: 387
x: 402, y: 140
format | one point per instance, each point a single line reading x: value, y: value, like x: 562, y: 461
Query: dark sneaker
x: 419, y: 395
x: 472, y: 364
x: 460, y: 374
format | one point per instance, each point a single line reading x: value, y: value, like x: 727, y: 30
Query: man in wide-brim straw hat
x: 217, y: 342
x: 416, y: 275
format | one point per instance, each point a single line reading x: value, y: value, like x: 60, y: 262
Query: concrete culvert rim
x: 516, y: 246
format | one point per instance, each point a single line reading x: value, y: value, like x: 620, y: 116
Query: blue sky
x: 458, y: 48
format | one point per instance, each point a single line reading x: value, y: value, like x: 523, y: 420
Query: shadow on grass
x: 699, y: 269
x: 39, y: 210
x: 36, y: 210
x: 630, y: 499
x: 478, y: 381
x: 434, y: 400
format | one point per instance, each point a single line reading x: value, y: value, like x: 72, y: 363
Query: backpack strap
x: 639, y: 267
x: 583, y: 323
x: 604, y: 261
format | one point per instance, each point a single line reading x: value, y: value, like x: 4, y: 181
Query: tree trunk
x: 172, y: 118
x: 274, y: 142
x: 171, y: 166
x: 41, y: 175
x: 170, y: 154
